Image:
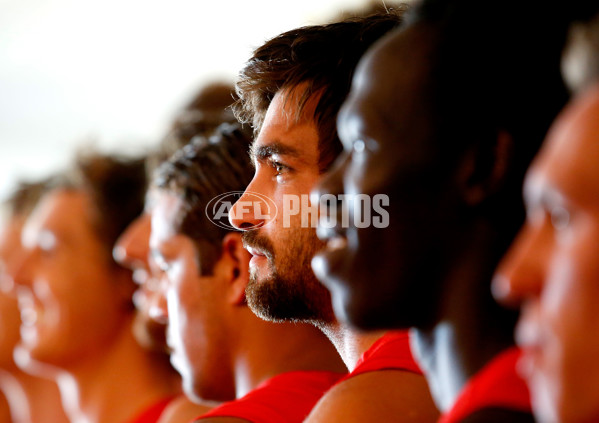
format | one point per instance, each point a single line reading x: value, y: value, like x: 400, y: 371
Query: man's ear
x: 238, y: 260
x: 484, y: 169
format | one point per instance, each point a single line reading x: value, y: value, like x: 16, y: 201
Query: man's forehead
x: 58, y: 212
x: 568, y: 159
x: 165, y: 212
x: 284, y: 132
x: 292, y: 106
x: 53, y: 207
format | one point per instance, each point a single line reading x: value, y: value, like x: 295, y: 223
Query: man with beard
x: 444, y: 116
x: 291, y: 90
x: 221, y: 349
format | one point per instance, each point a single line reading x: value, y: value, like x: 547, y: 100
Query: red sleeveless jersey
x: 497, y: 385
x: 285, y: 398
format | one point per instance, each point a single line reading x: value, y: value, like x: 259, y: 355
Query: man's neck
x: 114, y: 384
x: 470, y: 328
x: 256, y: 358
x: 349, y: 343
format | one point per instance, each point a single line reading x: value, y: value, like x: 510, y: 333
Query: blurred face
x: 132, y: 251
x: 385, y: 276
x: 195, y: 307
x: 552, y: 270
x: 10, y: 244
x: 282, y: 285
x: 68, y: 292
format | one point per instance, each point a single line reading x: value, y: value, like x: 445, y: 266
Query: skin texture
x: 376, y: 396
x: 132, y: 250
x: 286, y: 158
x: 386, y: 151
x: 10, y: 233
x: 25, y: 398
x: 195, y: 307
x: 552, y: 269
x: 221, y: 349
x: 432, y: 266
x: 289, y: 165
x: 81, y: 338
x: 57, y: 316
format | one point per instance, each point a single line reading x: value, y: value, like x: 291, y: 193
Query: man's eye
x: 47, y: 241
x: 279, y: 167
x: 560, y: 217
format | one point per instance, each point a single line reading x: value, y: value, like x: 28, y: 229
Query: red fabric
x: 496, y: 385
x: 152, y: 413
x: 285, y: 398
x: 389, y: 352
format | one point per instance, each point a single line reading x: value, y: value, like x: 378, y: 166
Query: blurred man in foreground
x: 443, y: 122
x: 553, y: 268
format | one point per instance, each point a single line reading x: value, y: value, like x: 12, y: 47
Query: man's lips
x: 529, y: 337
x: 254, y: 251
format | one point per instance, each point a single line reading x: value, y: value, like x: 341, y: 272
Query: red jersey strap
x: 285, y: 398
x: 152, y: 413
x: 389, y: 352
x: 497, y: 385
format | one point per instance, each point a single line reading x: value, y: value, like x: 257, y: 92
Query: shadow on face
x: 386, y: 129
x: 552, y: 269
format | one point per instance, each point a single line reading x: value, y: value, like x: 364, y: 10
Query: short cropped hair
x: 116, y: 186
x: 23, y: 199
x: 321, y: 57
x: 199, y: 172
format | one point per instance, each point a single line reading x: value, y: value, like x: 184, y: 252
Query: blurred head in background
x: 74, y: 298
x: 29, y: 398
x: 14, y: 212
x: 200, y: 117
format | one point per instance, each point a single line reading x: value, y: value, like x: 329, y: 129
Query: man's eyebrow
x: 263, y: 152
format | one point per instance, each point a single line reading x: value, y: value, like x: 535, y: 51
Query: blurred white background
x: 115, y: 71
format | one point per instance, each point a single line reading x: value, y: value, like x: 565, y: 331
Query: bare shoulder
x: 183, y: 410
x: 385, y: 395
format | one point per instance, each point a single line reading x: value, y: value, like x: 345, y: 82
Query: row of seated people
x: 347, y: 246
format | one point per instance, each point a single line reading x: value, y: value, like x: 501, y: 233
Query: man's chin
x: 273, y: 301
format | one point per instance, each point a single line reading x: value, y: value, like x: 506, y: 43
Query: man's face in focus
x: 285, y: 153
x: 552, y: 269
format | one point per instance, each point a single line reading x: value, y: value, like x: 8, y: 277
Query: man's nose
x: 521, y: 273
x: 131, y: 249
x: 252, y: 210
